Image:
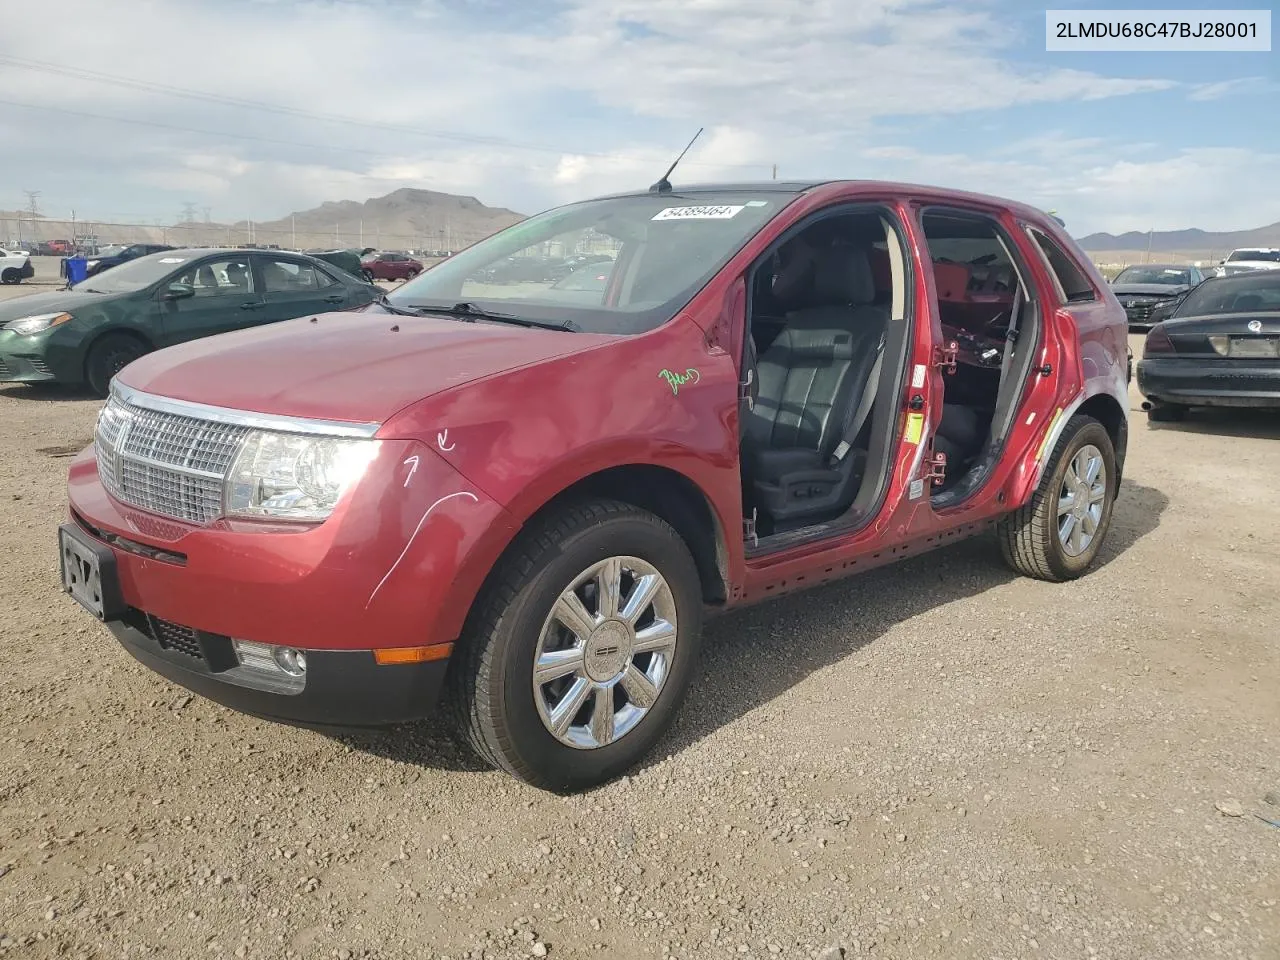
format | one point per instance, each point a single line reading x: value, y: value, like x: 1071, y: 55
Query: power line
x: 190, y: 94
x: 33, y: 202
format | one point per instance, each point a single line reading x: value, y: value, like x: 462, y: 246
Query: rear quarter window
x: 1073, y: 283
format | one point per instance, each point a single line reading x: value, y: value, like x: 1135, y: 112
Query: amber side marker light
x: 394, y: 655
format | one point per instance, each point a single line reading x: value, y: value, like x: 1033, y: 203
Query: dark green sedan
x: 87, y: 334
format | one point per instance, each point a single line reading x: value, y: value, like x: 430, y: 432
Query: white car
x: 15, y: 266
x: 1250, y: 258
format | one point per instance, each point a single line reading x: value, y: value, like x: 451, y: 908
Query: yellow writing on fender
x: 915, y: 427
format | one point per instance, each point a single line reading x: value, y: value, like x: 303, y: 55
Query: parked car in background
x: 347, y: 261
x: 88, y: 333
x: 523, y: 504
x: 1220, y: 348
x: 15, y: 266
x: 1149, y: 289
x: 98, y: 264
x: 390, y: 266
x: 1250, y: 258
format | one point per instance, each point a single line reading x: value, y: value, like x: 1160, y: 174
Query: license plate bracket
x: 1268, y: 347
x: 89, y: 574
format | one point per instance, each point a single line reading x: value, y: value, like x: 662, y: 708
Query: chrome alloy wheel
x: 604, y: 652
x: 1081, y: 500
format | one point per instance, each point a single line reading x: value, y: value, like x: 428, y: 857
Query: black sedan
x: 1221, y: 348
x: 1150, y: 292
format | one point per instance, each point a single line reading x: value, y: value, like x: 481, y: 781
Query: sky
x: 127, y: 110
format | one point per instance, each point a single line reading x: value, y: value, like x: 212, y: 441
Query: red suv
x: 390, y: 266
x: 522, y: 500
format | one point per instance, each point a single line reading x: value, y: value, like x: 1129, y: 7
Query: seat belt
x: 1011, y: 335
x: 864, y: 407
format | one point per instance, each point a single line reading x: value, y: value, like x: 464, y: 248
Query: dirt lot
x: 934, y: 760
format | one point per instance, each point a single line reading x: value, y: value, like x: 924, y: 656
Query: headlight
x: 37, y: 323
x: 294, y: 477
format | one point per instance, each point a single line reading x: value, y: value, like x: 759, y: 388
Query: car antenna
x: 664, y: 185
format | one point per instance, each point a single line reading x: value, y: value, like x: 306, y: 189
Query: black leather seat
x: 801, y: 461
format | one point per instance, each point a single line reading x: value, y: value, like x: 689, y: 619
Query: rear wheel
x: 11, y: 275
x: 107, y: 357
x: 581, y: 648
x: 368, y: 275
x: 1058, y: 533
x: 1166, y: 412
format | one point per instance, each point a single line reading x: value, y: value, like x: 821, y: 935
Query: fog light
x: 266, y: 658
x: 291, y: 661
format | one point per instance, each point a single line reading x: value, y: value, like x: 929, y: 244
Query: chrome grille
x: 163, y: 462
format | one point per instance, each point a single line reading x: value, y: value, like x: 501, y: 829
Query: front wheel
x: 581, y: 648
x: 1058, y: 533
x: 109, y: 356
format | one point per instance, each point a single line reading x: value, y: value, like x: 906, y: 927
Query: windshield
x: 1272, y: 256
x: 655, y: 252
x: 1172, y: 276
x: 134, y: 274
x: 1254, y: 292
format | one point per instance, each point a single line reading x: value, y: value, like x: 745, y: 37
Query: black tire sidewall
x: 97, y: 373
x: 515, y: 716
x: 10, y: 276
x: 1089, y: 432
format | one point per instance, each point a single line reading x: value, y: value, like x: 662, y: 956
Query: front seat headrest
x: 843, y: 275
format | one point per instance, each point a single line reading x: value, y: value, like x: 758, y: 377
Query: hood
x: 1149, y: 289
x: 55, y: 302
x: 360, y: 367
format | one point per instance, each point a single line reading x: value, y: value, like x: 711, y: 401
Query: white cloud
x: 610, y: 88
x: 1213, y: 188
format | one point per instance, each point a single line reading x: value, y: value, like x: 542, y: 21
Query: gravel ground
x: 933, y: 760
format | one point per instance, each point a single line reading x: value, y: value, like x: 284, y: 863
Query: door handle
x: 335, y: 298
x: 251, y: 305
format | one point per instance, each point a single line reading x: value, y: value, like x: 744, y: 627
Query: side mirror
x: 178, y: 291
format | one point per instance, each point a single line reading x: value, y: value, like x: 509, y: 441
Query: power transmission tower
x: 188, y: 212
x: 33, y: 202
x: 207, y: 212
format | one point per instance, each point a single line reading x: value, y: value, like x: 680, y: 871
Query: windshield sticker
x: 676, y: 380
x: 173, y: 259
x: 721, y: 212
x: 757, y: 203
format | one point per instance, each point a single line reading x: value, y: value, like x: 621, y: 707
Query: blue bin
x: 77, y: 268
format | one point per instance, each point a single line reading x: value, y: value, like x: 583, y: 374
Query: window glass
x: 1168, y: 276
x: 664, y: 247
x: 289, y: 276
x: 1255, y: 292
x: 1074, y: 284
x: 218, y: 278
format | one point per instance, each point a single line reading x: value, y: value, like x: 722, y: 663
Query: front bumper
x: 386, y: 570
x: 24, y: 368
x: 343, y: 688
x: 1210, y: 383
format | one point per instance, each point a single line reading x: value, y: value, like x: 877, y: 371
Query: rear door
x: 226, y: 298
x: 295, y: 288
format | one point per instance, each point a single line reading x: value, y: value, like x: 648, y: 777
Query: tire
x: 11, y: 275
x: 412, y: 274
x: 496, y: 707
x: 1030, y: 537
x: 368, y: 275
x: 1166, y: 413
x: 107, y: 357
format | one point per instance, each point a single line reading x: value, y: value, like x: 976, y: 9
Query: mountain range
x: 414, y: 219
x: 406, y: 219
